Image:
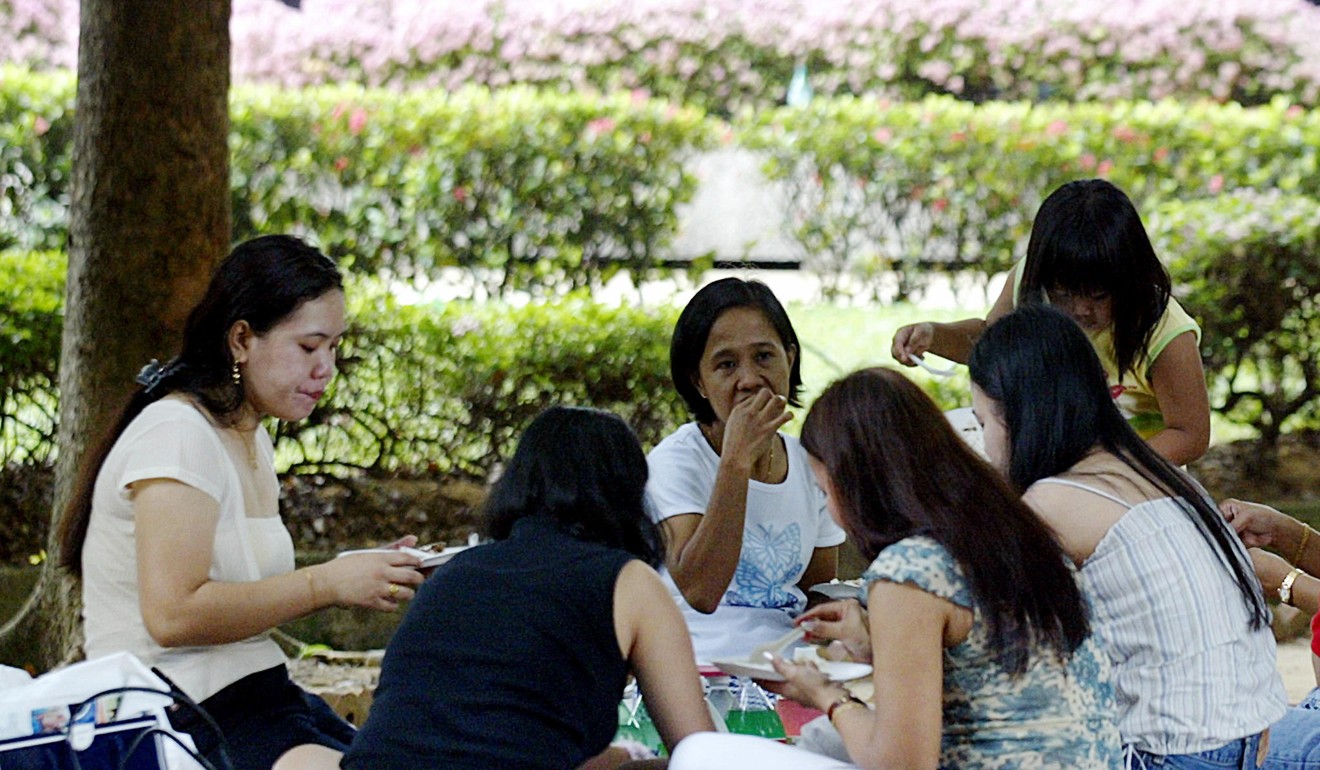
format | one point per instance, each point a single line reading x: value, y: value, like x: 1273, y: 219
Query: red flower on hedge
x: 600, y: 126
x: 357, y: 121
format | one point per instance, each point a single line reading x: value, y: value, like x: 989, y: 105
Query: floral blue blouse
x: 1056, y: 714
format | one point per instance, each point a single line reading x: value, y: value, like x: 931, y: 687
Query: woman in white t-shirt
x: 174, y: 526
x: 747, y: 529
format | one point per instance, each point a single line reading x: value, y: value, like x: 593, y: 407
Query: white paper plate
x: 838, y: 671
x: 428, y: 558
x: 836, y: 591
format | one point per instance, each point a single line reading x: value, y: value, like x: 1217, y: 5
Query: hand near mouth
x: 751, y: 427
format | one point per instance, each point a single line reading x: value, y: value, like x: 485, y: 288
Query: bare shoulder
x: 1045, y: 496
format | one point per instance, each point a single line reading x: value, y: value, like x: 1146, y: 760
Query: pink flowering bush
x: 42, y: 33
x: 724, y: 55
x: 727, y: 54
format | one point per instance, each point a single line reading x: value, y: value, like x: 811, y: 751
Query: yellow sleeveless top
x: 1133, y: 394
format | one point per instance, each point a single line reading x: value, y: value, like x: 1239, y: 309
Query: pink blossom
x: 1161, y: 154
x: 1056, y: 128
x: 1216, y: 183
x: 1087, y: 162
x: 1125, y: 134
x: 460, y: 194
x: 882, y: 135
x: 602, y: 125
x: 341, y: 163
x: 357, y: 121
x: 40, y: 125
x: 1104, y: 168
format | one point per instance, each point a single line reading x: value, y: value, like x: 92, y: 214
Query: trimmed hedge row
x: 449, y: 389
x: 547, y: 193
x: 878, y: 187
x: 31, y: 317
x: 522, y: 189
x: 1250, y: 263
x: 422, y: 389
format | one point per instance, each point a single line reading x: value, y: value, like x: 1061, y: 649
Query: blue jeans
x: 1295, y: 739
x: 1237, y: 755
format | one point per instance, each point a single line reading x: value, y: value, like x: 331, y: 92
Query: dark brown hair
x: 262, y: 281
x: 898, y: 469
x: 693, y: 330
x: 1088, y: 237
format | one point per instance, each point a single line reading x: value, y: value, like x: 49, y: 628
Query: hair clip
x: 151, y: 375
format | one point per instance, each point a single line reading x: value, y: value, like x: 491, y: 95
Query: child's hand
x: 910, y: 339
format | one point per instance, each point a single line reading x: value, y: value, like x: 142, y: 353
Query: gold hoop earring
x: 236, y: 376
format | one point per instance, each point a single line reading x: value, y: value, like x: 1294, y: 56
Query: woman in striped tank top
x: 1175, y: 603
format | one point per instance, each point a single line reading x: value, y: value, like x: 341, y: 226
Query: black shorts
x: 262, y: 716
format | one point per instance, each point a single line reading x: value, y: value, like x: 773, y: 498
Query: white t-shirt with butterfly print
x: 785, y: 523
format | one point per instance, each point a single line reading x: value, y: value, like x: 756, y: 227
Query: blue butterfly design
x: 769, y: 562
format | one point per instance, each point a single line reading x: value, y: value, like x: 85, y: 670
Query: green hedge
x: 944, y: 184
x: 521, y: 189
x: 31, y: 316
x: 36, y: 148
x: 450, y: 389
x: 422, y: 389
x: 1250, y: 263
x: 547, y: 192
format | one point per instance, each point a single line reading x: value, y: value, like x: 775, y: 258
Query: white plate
x: 428, y: 558
x: 836, y: 591
x: 838, y: 671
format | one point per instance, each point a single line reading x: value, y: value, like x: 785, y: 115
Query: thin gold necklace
x: 249, y: 439
x: 705, y: 433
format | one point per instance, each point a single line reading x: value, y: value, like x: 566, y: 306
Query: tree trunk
x: 149, y: 220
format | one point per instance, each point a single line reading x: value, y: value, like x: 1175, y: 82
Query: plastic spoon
x: 932, y: 369
x: 770, y: 649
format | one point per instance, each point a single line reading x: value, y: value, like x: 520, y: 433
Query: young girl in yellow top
x: 1089, y: 255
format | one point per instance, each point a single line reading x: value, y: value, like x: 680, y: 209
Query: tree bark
x: 149, y: 220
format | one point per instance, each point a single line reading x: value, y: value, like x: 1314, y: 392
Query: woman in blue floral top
x: 975, y: 626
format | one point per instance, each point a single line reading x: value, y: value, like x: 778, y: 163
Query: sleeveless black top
x: 507, y: 658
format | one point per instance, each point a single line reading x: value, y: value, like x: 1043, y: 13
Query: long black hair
x: 585, y: 470
x: 692, y: 331
x: 1087, y: 237
x: 1054, y: 399
x: 263, y: 281
x: 898, y: 469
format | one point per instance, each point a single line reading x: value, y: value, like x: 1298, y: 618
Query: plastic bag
x: 102, y: 714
